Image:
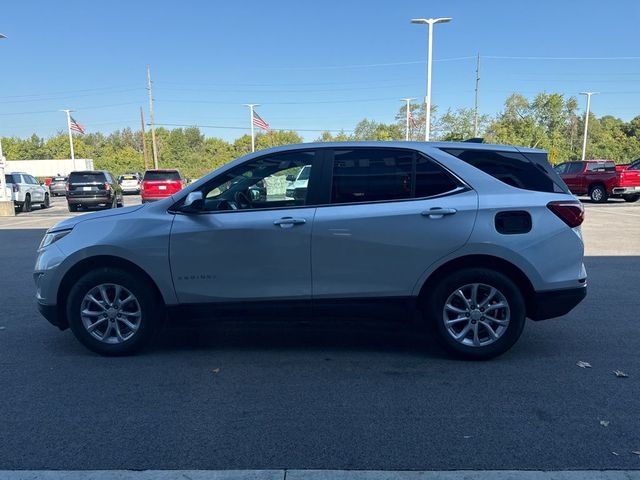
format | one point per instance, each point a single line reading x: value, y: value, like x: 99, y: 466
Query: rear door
x: 393, y: 213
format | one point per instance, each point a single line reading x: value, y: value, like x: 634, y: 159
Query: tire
x: 476, y: 343
x: 631, y: 198
x: 72, y: 208
x: 46, y: 202
x: 598, y: 194
x: 26, y: 205
x: 113, y: 335
x: 121, y: 202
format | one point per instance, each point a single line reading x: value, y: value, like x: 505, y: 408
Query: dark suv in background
x: 93, y: 188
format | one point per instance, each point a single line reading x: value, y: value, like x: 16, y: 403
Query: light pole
x: 6, y: 204
x: 408, y: 112
x: 427, y: 100
x: 586, y: 122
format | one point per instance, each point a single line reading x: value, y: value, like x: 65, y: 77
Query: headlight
x: 52, y: 237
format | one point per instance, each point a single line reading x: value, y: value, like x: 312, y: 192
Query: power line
x: 229, y: 127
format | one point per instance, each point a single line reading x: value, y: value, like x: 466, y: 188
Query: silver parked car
x: 26, y: 191
x: 476, y: 237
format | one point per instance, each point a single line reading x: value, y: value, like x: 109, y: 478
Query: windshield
x: 304, y: 173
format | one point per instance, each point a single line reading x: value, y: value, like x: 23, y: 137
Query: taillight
x: 571, y: 213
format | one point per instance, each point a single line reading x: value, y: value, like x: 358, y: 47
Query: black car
x: 93, y: 188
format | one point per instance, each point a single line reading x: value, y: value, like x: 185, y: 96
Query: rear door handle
x: 438, y: 212
x: 289, y: 221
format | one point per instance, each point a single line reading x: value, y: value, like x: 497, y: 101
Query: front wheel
x: 46, y: 202
x: 476, y: 313
x: 598, y: 194
x: 113, y: 312
x: 631, y: 198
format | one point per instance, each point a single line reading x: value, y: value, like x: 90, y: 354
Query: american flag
x: 75, y: 126
x: 412, y: 119
x: 259, y: 122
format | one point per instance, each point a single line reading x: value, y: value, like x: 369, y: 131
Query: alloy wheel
x: 110, y: 313
x: 476, y: 314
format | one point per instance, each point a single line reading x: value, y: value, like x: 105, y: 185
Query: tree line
x: 548, y: 121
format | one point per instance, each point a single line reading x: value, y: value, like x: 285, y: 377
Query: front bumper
x: 555, y: 303
x: 52, y: 314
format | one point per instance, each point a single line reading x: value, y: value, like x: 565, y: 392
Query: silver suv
x: 26, y: 191
x: 475, y: 237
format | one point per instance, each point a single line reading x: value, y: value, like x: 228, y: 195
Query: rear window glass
x: 155, y: 176
x: 128, y: 177
x: 86, y: 177
x: 531, y: 172
x: 59, y: 179
x: 601, y: 167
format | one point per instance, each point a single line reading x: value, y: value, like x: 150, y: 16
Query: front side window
x: 575, y: 167
x: 562, y: 168
x: 262, y: 183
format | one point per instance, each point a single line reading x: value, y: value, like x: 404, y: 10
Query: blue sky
x: 308, y: 63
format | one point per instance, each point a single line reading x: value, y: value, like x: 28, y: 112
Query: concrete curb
x: 316, y: 475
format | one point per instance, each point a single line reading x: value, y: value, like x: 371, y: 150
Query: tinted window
x: 562, y: 168
x: 86, y: 177
x: 601, y: 167
x: 369, y: 175
x: 166, y: 175
x: 574, y: 167
x: 431, y: 179
x: 532, y: 172
x: 9, y: 178
x: 58, y: 179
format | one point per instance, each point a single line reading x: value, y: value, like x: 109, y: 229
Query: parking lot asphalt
x: 327, y: 395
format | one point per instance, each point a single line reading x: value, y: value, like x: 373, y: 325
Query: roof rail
x: 474, y: 140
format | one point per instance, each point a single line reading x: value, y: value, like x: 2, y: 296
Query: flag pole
x: 73, y: 158
x: 253, y: 133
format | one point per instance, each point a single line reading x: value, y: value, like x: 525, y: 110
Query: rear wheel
x: 113, y: 312
x: 598, y: 194
x: 631, y: 198
x: 476, y: 313
x: 46, y: 202
x: 26, y: 205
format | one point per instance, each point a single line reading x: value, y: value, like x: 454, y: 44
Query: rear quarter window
x: 530, y: 172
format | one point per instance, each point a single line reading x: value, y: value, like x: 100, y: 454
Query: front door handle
x: 285, y: 222
x: 438, y: 212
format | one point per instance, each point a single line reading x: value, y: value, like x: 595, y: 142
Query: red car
x: 159, y: 184
x: 601, y: 179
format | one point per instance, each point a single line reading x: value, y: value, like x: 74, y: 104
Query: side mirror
x: 291, y: 178
x: 193, y: 203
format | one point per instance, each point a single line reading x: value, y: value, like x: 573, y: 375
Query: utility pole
x: 73, y: 158
x: 475, y: 115
x: 408, y: 112
x: 253, y: 133
x: 144, y: 141
x: 153, y: 128
x: 586, y: 122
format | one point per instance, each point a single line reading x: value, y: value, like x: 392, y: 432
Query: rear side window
x: 575, y: 167
x: 9, y: 179
x: 372, y: 175
x: 162, y: 176
x: 86, y: 177
x: 530, y: 172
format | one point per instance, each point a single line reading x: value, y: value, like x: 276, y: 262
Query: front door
x: 251, y: 241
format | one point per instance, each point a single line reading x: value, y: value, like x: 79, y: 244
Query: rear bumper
x: 90, y: 201
x: 626, y: 190
x: 555, y: 303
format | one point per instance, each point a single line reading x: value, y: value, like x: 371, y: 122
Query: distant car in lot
x: 600, y: 179
x: 130, y: 183
x: 93, y: 188
x: 26, y: 191
x: 298, y: 183
x: 159, y: 184
x: 475, y: 237
x: 58, y: 186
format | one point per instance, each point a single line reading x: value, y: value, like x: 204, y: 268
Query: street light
x: 586, y: 122
x: 427, y: 99
x: 3, y: 193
